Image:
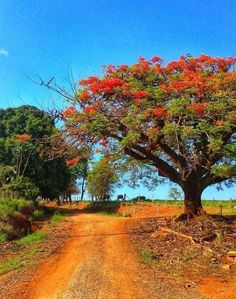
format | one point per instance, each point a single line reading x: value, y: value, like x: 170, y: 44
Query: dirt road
x: 96, y: 262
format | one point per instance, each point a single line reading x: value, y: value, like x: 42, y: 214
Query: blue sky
x: 52, y: 37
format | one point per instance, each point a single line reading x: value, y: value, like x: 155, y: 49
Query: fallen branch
x: 179, y: 235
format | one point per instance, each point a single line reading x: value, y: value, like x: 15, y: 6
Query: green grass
x: 146, y: 256
x: 57, y: 217
x: 3, y: 238
x: 11, y: 264
x: 35, y: 237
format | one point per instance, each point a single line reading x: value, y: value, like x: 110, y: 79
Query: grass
x: 57, y: 217
x: 28, y: 255
x: 11, y: 264
x: 35, y: 237
x: 146, y: 256
x: 3, y: 238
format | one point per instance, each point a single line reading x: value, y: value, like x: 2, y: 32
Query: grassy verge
x: 11, y: 264
x: 29, y: 248
x: 35, y: 237
x: 58, y: 217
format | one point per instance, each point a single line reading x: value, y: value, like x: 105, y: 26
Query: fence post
x: 221, y: 210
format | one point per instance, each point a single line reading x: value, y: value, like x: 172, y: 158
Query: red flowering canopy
x: 179, y: 117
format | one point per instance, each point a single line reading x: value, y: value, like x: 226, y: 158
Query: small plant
x: 38, y: 214
x: 2, y: 238
x: 35, y: 237
x: 57, y: 217
x: 147, y: 256
x: 219, y: 237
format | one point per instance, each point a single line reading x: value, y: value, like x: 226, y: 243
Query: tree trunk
x: 82, y: 189
x: 192, y: 201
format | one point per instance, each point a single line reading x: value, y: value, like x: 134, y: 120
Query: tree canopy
x: 102, y: 179
x: 179, y: 117
x: 25, y: 133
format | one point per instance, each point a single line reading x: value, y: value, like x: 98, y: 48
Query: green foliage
x: 25, y: 134
x: 25, y: 120
x: 102, y: 180
x: 147, y: 256
x: 178, y: 118
x: 38, y: 214
x: 175, y: 194
x: 2, y: 238
x: 35, y: 237
x: 23, y: 187
x: 57, y: 217
x: 14, y: 217
x: 11, y: 264
x: 224, y: 170
x: 18, y: 205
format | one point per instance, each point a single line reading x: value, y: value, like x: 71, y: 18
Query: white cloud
x: 4, y: 52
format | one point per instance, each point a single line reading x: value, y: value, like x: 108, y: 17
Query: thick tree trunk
x: 192, y: 201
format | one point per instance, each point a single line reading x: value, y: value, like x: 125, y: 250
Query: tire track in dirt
x: 94, y: 263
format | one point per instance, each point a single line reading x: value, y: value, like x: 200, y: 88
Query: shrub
x: 2, y: 238
x: 57, y: 217
x: 23, y: 187
x: 38, y: 214
x: 13, y: 222
x: 6, y: 230
x: 147, y: 256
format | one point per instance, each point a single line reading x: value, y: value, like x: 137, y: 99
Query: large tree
x: 180, y: 118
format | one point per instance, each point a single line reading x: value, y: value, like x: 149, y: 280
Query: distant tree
x: 102, y: 180
x: 81, y: 176
x: 179, y: 118
x: 175, y: 194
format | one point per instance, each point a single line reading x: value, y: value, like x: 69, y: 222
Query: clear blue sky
x: 51, y: 37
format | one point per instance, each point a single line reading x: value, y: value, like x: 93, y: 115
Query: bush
x: 38, y: 214
x: 14, y: 222
x: 6, y: 230
x: 2, y: 238
x: 23, y: 187
x: 57, y: 217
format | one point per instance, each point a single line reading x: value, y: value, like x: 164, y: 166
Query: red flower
x: 165, y: 88
x: 89, y: 80
x: 72, y: 161
x: 159, y: 112
x: 23, y: 138
x: 84, y: 96
x: 91, y: 110
x: 139, y: 94
x: 123, y: 67
x: 178, y: 85
x: 69, y: 111
x: 107, y: 85
x: 198, y: 108
x: 156, y: 59
x: 219, y: 122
